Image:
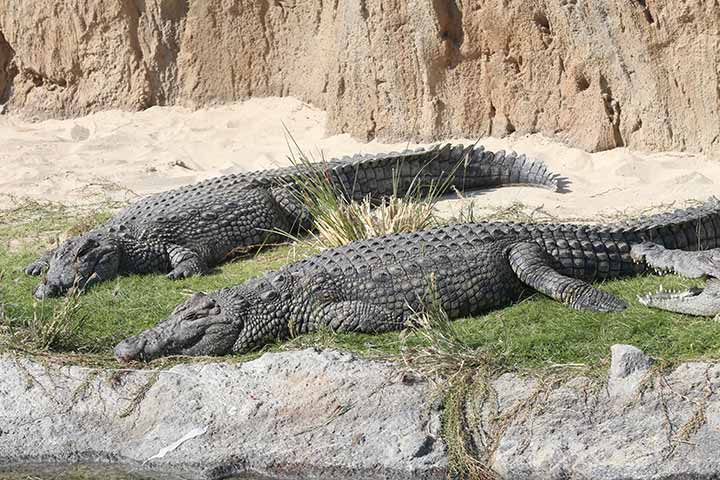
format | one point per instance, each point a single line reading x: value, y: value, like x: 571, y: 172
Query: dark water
x: 94, y: 472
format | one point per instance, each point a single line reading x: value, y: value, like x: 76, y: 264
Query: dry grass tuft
x: 443, y: 354
x: 355, y: 221
x: 46, y: 330
x: 338, y: 220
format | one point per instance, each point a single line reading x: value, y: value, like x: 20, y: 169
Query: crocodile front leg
x: 185, y: 263
x: 143, y: 256
x: 355, y: 316
x: 297, y: 213
x: 533, y: 266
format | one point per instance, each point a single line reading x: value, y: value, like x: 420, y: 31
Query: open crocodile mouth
x: 703, y: 263
x: 657, y: 269
x: 663, y: 295
x: 696, y: 264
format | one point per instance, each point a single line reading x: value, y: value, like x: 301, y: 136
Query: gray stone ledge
x: 327, y: 414
x: 641, y: 424
x: 304, y: 414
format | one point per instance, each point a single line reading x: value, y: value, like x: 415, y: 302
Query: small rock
x: 627, y: 360
x: 628, y: 368
x: 409, y: 378
x: 179, y: 163
x: 358, y: 438
x: 79, y: 133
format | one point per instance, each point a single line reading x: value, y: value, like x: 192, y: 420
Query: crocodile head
x: 236, y: 319
x: 81, y: 262
x: 690, y: 264
x: 198, y: 326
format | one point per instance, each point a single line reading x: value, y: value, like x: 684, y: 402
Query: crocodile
x: 379, y: 284
x: 189, y: 230
x: 698, y: 301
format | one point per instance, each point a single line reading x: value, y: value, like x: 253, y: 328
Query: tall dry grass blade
x: 58, y: 330
x: 458, y: 372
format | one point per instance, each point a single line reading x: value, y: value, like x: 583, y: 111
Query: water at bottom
x: 95, y: 472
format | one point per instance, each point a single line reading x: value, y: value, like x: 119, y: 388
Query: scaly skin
x: 189, y: 230
x: 374, y: 285
x: 697, y: 264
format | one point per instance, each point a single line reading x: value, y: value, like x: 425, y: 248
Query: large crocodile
x: 375, y: 285
x: 187, y: 231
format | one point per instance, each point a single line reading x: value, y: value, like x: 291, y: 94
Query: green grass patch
x: 124, y: 306
x: 534, y: 333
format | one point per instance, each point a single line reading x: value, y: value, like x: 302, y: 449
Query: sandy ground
x: 121, y: 156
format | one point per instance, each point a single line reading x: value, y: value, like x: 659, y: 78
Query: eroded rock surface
x: 642, y: 424
x: 305, y: 414
x: 642, y: 74
x: 311, y: 414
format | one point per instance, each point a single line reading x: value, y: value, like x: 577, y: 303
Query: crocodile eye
x: 86, y: 247
x: 269, y: 296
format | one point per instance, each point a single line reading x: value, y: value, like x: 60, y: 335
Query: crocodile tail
x: 483, y: 168
x: 439, y: 168
x: 695, y: 227
x: 385, y: 174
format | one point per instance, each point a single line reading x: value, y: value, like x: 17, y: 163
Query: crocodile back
x: 439, y: 169
x: 229, y: 208
x: 589, y: 252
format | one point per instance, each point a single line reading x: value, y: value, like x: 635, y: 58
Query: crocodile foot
x: 37, y: 267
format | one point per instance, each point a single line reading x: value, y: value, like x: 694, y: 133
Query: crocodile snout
x: 46, y: 290
x: 130, y: 349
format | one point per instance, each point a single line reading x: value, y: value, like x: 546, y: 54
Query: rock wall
x: 330, y: 415
x: 637, y: 73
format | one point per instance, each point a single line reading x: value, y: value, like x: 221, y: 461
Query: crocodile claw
x: 36, y: 268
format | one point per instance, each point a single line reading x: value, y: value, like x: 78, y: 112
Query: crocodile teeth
x: 663, y: 270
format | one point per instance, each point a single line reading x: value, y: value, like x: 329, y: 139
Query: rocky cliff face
x: 637, y: 73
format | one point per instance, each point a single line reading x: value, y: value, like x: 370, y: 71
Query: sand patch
x: 118, y: 155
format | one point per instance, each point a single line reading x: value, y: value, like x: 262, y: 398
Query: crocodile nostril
x: 45, y: 290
